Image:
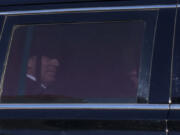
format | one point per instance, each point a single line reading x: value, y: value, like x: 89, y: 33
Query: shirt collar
x: 31, y: 77
x: 34, y: 79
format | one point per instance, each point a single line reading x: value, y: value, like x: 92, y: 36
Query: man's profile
x: 34, y: 78
x: 38, y: 85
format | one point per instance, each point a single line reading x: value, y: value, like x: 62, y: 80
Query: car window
x: 74, y: 62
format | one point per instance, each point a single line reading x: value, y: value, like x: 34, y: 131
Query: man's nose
x: 55, y: 62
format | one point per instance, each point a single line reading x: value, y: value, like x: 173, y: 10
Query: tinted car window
x: 74, y: 62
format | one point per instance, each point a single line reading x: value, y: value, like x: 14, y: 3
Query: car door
x: 112, y: 75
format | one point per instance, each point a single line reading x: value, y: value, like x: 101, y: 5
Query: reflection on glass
x: 83, y: 62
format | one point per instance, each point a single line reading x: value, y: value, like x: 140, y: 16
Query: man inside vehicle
x: 35, y: 78
x: 39, y: 85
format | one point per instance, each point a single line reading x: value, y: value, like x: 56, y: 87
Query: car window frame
x: 155, y: 110
x: 150, y: 16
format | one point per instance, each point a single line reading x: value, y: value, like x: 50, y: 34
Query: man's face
x: 48, y: 68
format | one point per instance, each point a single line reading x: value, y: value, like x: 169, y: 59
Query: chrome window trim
x: 178, y: 5
x: 175, y: 107
x: 80, y: 106
x: 87, y: 9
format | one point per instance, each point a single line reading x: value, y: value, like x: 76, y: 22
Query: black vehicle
x: 96, y: 67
